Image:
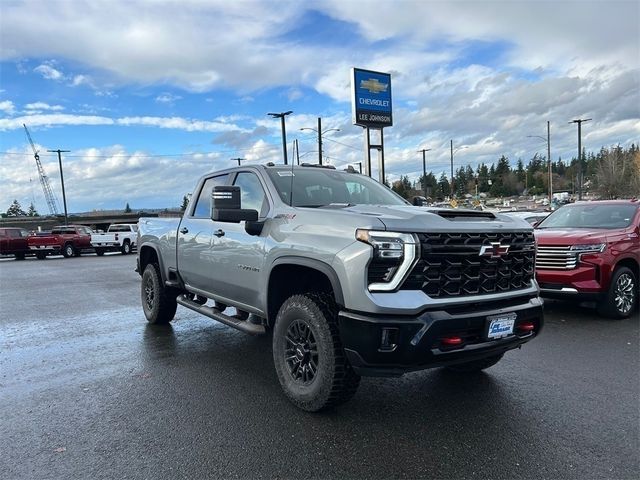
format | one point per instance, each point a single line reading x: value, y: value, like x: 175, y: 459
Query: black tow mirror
x: 225, y: 206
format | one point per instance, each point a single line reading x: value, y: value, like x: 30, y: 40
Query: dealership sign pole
x: 371, y: 109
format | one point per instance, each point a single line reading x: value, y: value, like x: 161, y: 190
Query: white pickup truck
x: 119, y: 236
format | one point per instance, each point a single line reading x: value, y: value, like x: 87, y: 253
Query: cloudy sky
x: 149, y: 95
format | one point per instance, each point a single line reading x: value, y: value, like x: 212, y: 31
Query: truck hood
x: 570, y: 236
x: 406, y: 218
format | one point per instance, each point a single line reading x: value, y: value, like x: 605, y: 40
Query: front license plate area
x: 500, y: 326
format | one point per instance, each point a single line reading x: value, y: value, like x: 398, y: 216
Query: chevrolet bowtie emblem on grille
x: 496, y: 249
x: 373, y: 85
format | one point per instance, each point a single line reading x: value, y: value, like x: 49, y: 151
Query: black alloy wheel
x: 301, y: 353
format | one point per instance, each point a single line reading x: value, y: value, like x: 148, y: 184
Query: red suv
x: 590, y: 251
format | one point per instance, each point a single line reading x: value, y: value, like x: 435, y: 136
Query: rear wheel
x: 475, y: 365
x: 126, y: 248
x: 308, y: 355
x: 99, y: 252
x: 622, y: 297
x: 41, y: 256
x: 158, y: 301
x: 19, y: 256
x: 68, y: 251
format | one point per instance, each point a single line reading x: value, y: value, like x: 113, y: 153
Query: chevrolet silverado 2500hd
x: 352, y: 279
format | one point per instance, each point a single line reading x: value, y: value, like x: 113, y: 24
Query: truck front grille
x: 451, y: 264
x: 555, y: 258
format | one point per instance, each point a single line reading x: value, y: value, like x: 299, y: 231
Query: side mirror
x: 225, y: 206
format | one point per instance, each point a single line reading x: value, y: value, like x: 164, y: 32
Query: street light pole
x: 284, y: 132
x: 320, y: 132
x: 579, y: 122
x: 548, y: 140
x: 549, y: 160
x: 424, y: 170
x: 452, y: 180
x: 452, y: 169
x: 64, y: 197
x: 319, y: 141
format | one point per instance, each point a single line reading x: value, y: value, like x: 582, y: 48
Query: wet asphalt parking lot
x: 88, y: 390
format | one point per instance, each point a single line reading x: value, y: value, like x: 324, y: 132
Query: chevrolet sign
x: 371, y: 98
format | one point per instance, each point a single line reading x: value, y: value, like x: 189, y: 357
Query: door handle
x: 184, y: 230
x: 219, y: 233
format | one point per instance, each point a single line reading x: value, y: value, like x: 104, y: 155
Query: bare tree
x: 618, y: 173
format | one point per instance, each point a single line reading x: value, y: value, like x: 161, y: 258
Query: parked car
x: 66, y: 240
x: 591, y: 251
x: 352, y: 279
x: 532, y: 217
x: 120, y: 237
x: 13, y: 241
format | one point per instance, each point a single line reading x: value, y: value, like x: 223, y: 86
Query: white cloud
x: 7, y: 107
x: 179, y: 123
x: 48, y: 72
x: 40, y: 106
x: 167, y: 98
x: 59, y: 119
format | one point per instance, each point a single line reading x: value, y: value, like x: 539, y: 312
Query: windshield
x: 318, y: 187
x: 591, y: 216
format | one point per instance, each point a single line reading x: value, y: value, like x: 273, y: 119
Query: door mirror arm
x: 254, y: 228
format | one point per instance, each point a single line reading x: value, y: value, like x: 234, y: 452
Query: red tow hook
x: 526, y: 327
x: 451, y: 341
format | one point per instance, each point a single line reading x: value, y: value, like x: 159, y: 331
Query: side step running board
x: 242, y: 325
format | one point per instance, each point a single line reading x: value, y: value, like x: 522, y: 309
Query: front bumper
x: 586, y: 282
x: 415, y: 342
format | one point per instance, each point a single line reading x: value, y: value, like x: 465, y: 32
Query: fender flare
x: 319, y: 265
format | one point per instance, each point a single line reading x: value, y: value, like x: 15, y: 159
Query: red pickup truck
x: 13, y: 241
x: 590, y: 251
x: 67, y: 240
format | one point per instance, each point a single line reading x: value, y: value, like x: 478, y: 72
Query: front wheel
x: 622, y: 297
x: 158, y: 301
x: 41, y: 256
x: 68, y: 251
x: 308, y: 355
x: 19, y: 256
x: 475, y: 365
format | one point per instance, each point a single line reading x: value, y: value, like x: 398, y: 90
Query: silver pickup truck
x: 351, y: 279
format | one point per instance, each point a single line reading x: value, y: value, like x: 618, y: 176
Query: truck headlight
x: 394, y: 254
x: 590, y: 248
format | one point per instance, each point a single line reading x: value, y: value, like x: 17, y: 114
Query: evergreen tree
x: 32, y: 212
x: 444, y: 188
x: 15, y: 210
x: 127, y: 208
x: 185, y: 203
x: 402, y: 187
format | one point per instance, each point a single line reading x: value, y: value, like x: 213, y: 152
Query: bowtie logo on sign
x: 374, y: 85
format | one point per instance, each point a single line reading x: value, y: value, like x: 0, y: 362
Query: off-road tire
x: 619, y: 280
x: 126, y: 247
x: 334, y: 381
x: 158, y: 301
x: 475, y: 365
x: 68, y: 251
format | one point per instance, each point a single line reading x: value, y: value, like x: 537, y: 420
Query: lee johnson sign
x: 371, y: 98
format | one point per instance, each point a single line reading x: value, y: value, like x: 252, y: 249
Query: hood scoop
x: 465, y: 215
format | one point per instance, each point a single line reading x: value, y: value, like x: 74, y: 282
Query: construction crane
x: 44, y: 181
